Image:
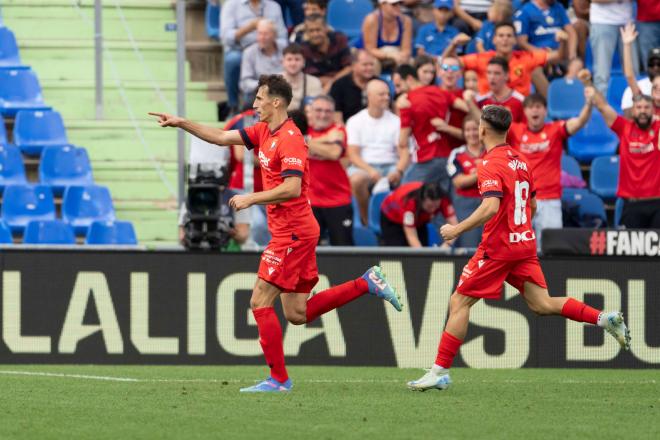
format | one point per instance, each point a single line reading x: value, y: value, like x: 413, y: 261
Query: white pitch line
x: 70, y: 376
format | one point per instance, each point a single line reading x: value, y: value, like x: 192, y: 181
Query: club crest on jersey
x: 515, y: 164
x: 271, y: 270
x: 273, y: 144
x: 263, y: 160
x: 291, y: 132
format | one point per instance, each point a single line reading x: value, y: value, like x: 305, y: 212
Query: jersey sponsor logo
x: 515, y: 164
x: 263, y: 160
x: 517, y: 237
x: 641, y: 147
x: 293, y: 161
x: 534, y: 147
x: 481, y: 263
x: 488, y: 183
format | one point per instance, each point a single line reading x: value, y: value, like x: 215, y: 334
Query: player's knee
x: 295, y: 316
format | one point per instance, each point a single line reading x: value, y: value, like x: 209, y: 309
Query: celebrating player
x: 507, y: 251
x: 288, y: 264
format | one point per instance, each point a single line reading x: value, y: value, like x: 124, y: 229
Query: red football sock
x: 449, y: 345
x: 579, y: 311
x: 270, y: 338
x: 335, y: 297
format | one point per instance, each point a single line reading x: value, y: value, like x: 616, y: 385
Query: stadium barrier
x: 136, y: 307
x: 610, y: 242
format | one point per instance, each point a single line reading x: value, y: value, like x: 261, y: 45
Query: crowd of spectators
x: 397, y: 108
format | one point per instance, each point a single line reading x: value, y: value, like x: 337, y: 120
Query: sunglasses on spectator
x: 453, y: 68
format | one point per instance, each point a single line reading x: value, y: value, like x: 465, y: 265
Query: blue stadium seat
x: 5, y: 234
x: 565, y: 98
x: 374, y: 210
x: 23, y: 203
x: 212, y: 18
x: 618, y: 210
x: 347, y: 16
x: 19, y: 90
x: 12, y: 169
x: 357, y: 221
x: 593, y: 140
x: 591, y: 206
x: 65, y: 166
x: 434, y: 237
x: 568, y: 194
x: 3, y: 133
x: 82, y: 205
x: 35, y: 130
x: 570, y: 166
x: 363, y: 236
x: 604, y: 176
x: 9, y: 55
x: 112, y: 232
x: 48, y: 232
x: 615, y: 91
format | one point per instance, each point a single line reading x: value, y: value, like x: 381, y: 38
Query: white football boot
x: 614, y: 324
x: 431, y: 380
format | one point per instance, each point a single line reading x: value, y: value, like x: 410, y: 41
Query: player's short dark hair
x: 405, y: 71
x: 504, y: 24
x: 277, y: 86
x: 498, y: 117
x: 323, y: 4
x: 535, y: 98
x: 293, y: 49
x: 500, y: 61
x: 315, y: 17
x: 422, y: 60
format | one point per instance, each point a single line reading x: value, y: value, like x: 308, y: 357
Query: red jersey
x: 426, y: 103
x: 456, y: 117
x: 508, y: 235
x: 648, y: 10
x: 514, y: 102
x: 400, y: 209
x: 639, y: 175
x: 283, y: 153
x: 461, y: 161
x: 329, y: 187
x: 543, y: 150
x: 521, y: 64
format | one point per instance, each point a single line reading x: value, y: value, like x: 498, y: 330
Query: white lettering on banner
x: 296, y: 335
x: 513, y: 324
x: 576, y: 350
x: 11, y: 319
x: 632, y: 243
x: 408, y: 352
x: 90, y: 285
x: 225, y: 315
x: 144, y: 343
x: 196, y: 313
x: 517, y: 237
x: 639, y: 347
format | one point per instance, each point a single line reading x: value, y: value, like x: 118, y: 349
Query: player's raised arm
x: 213, y: 135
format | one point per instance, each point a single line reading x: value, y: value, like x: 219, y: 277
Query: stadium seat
x: 5, y: 234
x: 570, y: 166
x: 12, y: 169
x: 592, y: 207
x: 434, y: 237
x: 615, y: 91
x: 35, y: 130
x: 23, y: 203
x: 374, y: 210
x: 568, y: 194
x: 357, y: 221
x: 111, y: 232
x: 565, y: 98
x: 604, y: 176
x: 618, y: 211
x: 82, y: 205
x: 9, y: 55
x: 60, y: 167
x: 48, y: 232
x: 593, y: 140
x: 347, y: 16
x: 363, y: 236
x: 212, y: 19
x: 19, y: 90
x: 3, y: 133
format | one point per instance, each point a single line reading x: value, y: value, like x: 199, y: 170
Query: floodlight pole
x: 98, y: 56
x: 181, y: 91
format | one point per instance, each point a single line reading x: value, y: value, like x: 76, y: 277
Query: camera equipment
x: 209, y: 218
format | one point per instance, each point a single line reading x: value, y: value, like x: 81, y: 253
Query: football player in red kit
x: 507, y: 251
x: 288, y: 264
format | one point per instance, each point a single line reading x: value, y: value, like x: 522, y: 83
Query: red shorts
x: 484, y: 278
x: 290, y: 265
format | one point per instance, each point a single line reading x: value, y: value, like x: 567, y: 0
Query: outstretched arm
x: 488, y: 208
x: 609, y: 114
x: 213, y: 135
x: 573, y: 125
x: 628, y: 36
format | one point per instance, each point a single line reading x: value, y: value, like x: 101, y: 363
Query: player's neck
x: 278, y: 119
x: 492, y: 142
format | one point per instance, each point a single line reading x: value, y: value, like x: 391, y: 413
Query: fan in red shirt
x: 288, y: 265
x: 450, y: 72
x: 542, y: 145
x: 407, y: 210
x: 499, y: 93
x: 507, y: 251
x: 330, y: 190
x: 639, y: 152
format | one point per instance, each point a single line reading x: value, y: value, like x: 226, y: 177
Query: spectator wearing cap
x: 387, y: 34
x: 239, y: 20
x: 329, y: 189
x: 648, y: 25
x: 642, y: 86
x: 433, y: 38
x: 373, y: 145
x: 537, y: 23
x: 499, y: 93
x: 310, y: 7
x: 262, y: 58
x: 639, y: 179
x: 302, y: 84
x: 348, y: 91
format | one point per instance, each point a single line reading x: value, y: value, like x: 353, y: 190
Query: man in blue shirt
x: 537, y: 23
x: 433, y: 38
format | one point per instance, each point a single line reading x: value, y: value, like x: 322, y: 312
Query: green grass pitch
x: 177, y: 402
